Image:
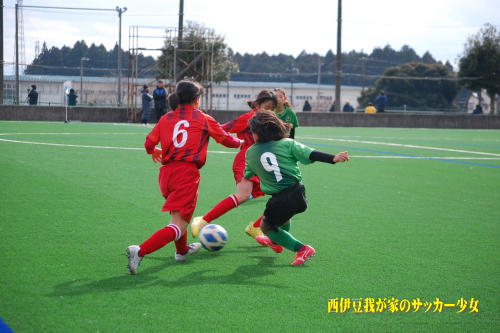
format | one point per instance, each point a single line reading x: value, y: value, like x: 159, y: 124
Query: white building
x: 226, y: 96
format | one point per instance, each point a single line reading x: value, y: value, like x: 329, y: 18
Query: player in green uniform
x: 285, y: 112
x: 274, y: 159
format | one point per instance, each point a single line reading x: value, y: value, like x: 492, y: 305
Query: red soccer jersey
x: 241, y: 128
x: 184, y: 135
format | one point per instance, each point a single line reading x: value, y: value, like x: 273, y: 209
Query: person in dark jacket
x: 33, y: 95
x: 146, y: 105
x: 160, y: 99
x: 307, y: 106
x: 348, y: 107
x: 72, y: 96
x: 478, y: 110
x: 381, y: 101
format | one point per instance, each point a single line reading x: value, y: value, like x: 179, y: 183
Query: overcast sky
x: 288, y: 27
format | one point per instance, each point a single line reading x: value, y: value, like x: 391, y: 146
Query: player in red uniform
x: 266, y: 101
x: 183, y: 134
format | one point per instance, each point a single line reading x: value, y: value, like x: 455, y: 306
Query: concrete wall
x: 119, y: 115
x: 58, y: 113
x: 385, y: 120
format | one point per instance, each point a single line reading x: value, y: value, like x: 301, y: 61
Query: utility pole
x: 120, y: 12
x: 181, y: 23
x: 81, y: 78
x: 363, y: 73
x: 319, y: 78
x: 179, y: 37
x: 338, y: 78
x: 17, y: 55
x: 1, y: 52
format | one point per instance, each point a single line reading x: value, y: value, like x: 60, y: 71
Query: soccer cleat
x: 253, y: 231
x: 305, y: 253
x: 133, y: 258
x: 193, y: 248
x: 197, y: 224
x: 264, y: 240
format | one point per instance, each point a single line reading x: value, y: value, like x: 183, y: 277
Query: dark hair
x: 72, y: 90
x: 371, y: 104
x: 33, y: 86
x: 186, y: 92
x: 268, y: 126
x: 281, y: 90
x: 263, y: 96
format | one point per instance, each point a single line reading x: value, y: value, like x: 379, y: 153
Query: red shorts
x: 239, y: 169
x: 179, y: 182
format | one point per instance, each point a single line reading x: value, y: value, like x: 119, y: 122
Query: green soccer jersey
x: 288, y: 116
x: 275, y: 162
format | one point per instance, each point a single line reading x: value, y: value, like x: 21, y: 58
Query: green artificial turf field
x: 412, y: 218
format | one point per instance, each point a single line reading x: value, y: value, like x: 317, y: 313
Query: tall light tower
x: 120, y: 12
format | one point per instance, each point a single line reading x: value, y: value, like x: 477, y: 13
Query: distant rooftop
x: 249, y: 84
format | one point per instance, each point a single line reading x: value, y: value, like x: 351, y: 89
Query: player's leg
x: 183, y: 249
x: 287, y: 226
x: 180, y: 193
x: 253, y: 229
x: 280, y: 237
x: 278, y: 213
x: 243, y: 191
x: 156, y: 241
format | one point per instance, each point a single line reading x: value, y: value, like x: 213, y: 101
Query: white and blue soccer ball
x: 213, y: 237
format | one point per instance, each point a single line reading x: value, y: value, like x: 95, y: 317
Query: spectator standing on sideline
x: 160, y: 97
x: 307, y: 106
x: 381, y: 101
x: 72, y: 96
x: 370, y: 108
x: 332, y: 108
x: 33, y: 95
x: 478, y: 109
x: 348, y: 107
x: 146, y: 105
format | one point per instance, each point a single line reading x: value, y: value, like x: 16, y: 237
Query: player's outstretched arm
x: 320, y: 156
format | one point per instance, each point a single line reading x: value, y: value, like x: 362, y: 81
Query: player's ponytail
x: 186, y: 92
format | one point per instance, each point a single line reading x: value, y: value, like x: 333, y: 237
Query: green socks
x: 286, y: 227
x: 283, y: 238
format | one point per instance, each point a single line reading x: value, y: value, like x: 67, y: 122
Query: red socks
x: 161, y: 238
x: 256, y: 224
x: 181, y: 245
x: 221, y: 208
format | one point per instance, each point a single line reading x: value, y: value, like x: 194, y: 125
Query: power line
x: 71, y: 8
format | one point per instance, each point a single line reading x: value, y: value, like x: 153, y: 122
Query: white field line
x: 233, y: 152
x: 70, y: 133
x: 428, y: 157
x: 66, y: 145
x: 406, y: 146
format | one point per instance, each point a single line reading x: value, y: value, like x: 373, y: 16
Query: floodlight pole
x: 1, y: 52
x: 338, y: 78
x: 17, y: 55
x: 81, y: 77
x: 120, y: 12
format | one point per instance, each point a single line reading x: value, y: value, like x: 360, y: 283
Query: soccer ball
x: 213, y: 237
